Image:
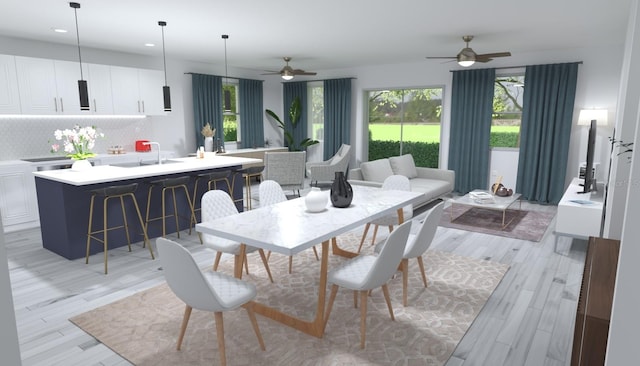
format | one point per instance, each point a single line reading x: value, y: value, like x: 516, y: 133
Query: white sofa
x: 435, y: 183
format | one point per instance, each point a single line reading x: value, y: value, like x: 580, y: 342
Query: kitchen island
x: 64, y: 197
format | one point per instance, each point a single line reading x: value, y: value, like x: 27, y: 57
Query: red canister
x: 141, y: 146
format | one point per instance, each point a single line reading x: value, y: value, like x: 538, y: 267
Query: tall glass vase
x: 341, y: 191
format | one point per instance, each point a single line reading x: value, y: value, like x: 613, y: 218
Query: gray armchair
x: 286, y: 168
x: 325, y: 171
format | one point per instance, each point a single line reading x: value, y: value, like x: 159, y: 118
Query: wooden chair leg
x: 217, y: 261
x: 363, y: 317
x: 364, y: 235
x: 405, y: 280
x: 290, y: 263
x: 424, y: 276
x: 316, y: 253
x: 355, y: 299
x: 375, y: 232
x: 387, y: 298
x: 183, y: 328
x: 332, y: 297
x: 254, y: 324
x: 266, y: 263
x: 220, y: 335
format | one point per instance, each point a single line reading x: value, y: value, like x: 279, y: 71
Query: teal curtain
x: 547, y: 113
x: 290, y: 91
x: 471, y: 109
x: 251, y: 115
x: 337, y: 115
x: 207, y: 104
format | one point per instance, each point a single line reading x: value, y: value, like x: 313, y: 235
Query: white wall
x: 625, y: 321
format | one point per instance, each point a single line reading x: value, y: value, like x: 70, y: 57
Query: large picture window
x: 507, y: 111
x: 405, y: 121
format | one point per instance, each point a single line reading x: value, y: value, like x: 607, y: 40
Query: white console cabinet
x: 580, y: 220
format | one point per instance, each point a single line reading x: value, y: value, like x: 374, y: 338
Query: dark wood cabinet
x: 595, y: 302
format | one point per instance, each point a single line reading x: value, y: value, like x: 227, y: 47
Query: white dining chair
x: 366, y: 272
x: 207, y: 291
x: 417, y: 245
x: 271, y: 193
x: 393, y: 182
x: 217, y: 204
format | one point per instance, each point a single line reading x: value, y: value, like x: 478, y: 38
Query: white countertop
x: 109, y: 173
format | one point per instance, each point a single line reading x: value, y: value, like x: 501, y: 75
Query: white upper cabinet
x: 99, y: 84
x: 30, y: 85
x: 9, y: 93
x: 48, y: 86
x: 137, y: 91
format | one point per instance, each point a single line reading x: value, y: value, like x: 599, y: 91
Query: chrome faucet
x: 157, y: 144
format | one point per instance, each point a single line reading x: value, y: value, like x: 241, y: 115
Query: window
x: 315, y: 120
x: 507, y: 111
x: 230, y: 114
x: 405, y: 121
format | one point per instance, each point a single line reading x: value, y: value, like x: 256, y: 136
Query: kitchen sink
x: 48, y: 158
x: 143, y: 163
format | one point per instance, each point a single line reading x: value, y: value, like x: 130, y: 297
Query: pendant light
x: 166, y: 93
x: 227, y: 93
x: 82, y: 84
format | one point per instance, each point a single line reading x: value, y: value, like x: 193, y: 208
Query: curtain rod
x: 224, y: 77
x: 521, y: 66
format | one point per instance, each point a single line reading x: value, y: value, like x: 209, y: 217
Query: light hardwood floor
x: 527, y: 321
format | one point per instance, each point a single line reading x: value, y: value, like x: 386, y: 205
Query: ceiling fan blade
x: 440, y: 57
x: 494, y: 55
x: 272, y: 73
x: 302, y: 72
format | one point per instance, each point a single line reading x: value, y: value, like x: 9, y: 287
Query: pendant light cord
x: 226, y: 73
x: 164, y: 57
x: 75, y: 11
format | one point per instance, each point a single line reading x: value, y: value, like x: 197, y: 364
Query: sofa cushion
x: 376, y: 170
x: 432, y: 188
x: 403, y: 165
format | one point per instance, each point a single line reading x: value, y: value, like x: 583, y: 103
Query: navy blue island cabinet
x: 64, y: 198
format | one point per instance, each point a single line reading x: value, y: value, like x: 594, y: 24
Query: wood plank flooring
x: 527, y: 321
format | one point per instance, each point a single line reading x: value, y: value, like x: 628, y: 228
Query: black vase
x: 341, y: 191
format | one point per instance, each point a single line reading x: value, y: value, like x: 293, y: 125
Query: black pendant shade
x: 83, y: 91
x: 166, y: 93
x: 84, y: 95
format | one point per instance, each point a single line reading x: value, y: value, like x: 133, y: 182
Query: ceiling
x: 327, y: 34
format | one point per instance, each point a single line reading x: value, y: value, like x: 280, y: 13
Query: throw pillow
x: 377, y: 170
x: 403, y: 165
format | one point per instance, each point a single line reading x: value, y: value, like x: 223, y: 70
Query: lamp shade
x: 587, y: 115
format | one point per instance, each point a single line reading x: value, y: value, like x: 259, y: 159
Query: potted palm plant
x: 294, y: 117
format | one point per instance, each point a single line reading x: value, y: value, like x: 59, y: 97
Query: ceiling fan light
x: 466, y: 63
x: 287, y: 74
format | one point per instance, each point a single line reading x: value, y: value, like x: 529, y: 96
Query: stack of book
x: 482, y: 197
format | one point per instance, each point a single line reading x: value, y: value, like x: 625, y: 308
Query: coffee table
x: 499, y: 204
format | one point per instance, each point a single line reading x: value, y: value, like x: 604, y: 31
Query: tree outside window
x: 507, y: 111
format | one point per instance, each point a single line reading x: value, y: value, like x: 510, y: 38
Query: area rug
x: 143, y: 328
x: 525, y: 225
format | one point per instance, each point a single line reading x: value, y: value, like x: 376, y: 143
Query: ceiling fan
x: 467, y: 56
x: 287, y: 72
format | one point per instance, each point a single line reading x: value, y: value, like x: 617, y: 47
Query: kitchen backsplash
x: 22, y: 137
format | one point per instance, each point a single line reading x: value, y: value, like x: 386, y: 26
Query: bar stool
x: 106, y: 194
x: 247, y: 174
x: 170, y: 184
x: 213, y: 178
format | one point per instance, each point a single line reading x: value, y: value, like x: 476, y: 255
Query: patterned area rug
x: 143, y: 328
x: 526, y: 225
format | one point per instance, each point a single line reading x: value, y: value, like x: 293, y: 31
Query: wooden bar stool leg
x: 93, y: 197
x: 175, y: 209
x: 104, y: 232
x: 126, y: 224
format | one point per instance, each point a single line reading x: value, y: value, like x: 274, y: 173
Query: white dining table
x: 289, y: 228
